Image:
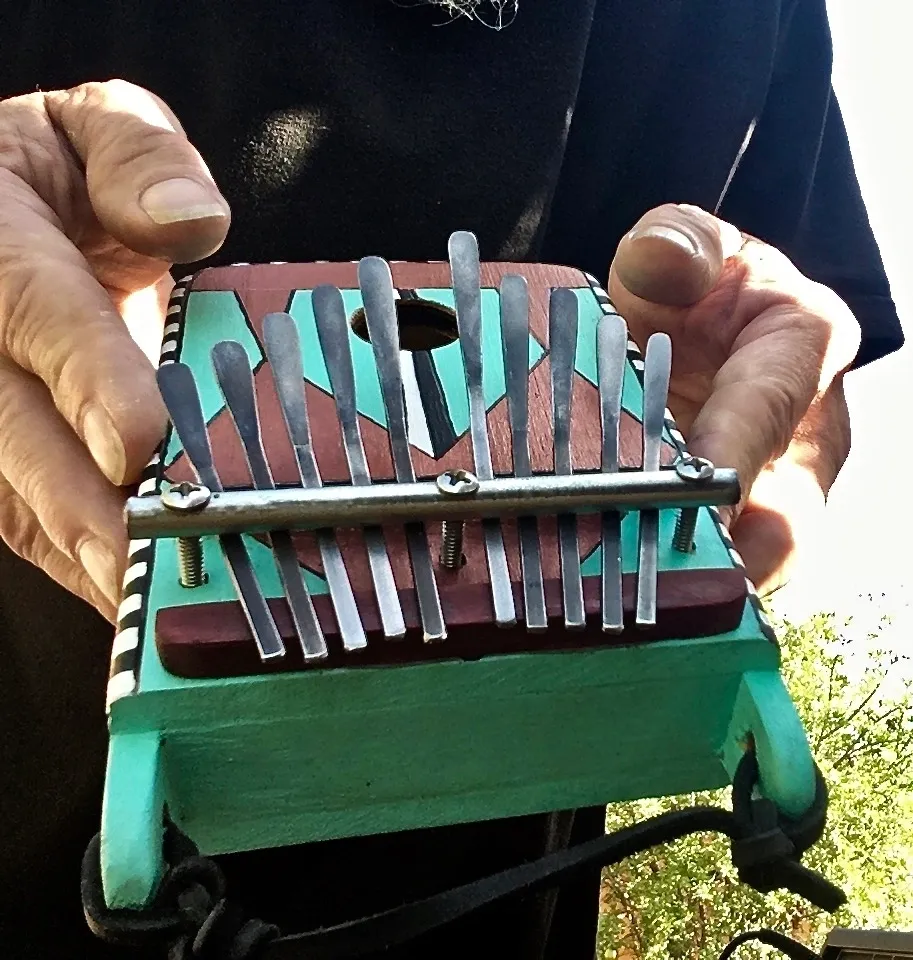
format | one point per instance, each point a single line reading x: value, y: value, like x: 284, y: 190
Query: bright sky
x: 868, y: 546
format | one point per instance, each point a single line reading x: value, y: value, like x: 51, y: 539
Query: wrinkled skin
x: 86, y: 241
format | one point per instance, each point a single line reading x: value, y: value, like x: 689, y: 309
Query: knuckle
x: 838, y: 327
x: 785, y: 400
x: 20, y: 530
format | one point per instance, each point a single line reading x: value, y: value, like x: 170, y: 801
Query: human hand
x: 100, y: 193
x: 759, y: 352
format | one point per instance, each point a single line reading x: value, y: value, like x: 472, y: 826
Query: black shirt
x: 340, y: 128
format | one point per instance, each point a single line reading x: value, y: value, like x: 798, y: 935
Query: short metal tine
x: 657, y: 370
x: 282, y: 346
x: 562, y: 338
x: 466, y: 274
x: 182, y: 400
x: 376, y: 283
x: 611, y: 360
x: 514, y: 296
x: 333, y: 333
x: 236, y: 381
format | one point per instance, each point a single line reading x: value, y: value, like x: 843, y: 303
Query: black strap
x: 192, y: 915
x: 779, y: 941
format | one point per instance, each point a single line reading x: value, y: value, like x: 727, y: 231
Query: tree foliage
x: 684, y: 900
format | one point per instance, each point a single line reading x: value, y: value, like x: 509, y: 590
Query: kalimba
x: 422, y: 546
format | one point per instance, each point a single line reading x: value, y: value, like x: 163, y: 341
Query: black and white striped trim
x: 636, y: 359
x: 131, y: 614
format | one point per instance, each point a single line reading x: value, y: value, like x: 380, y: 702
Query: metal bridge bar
x: 346, y: 506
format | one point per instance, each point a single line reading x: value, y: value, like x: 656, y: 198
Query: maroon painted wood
x: 213, y: 639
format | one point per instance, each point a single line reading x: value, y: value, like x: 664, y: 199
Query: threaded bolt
x: 190, y: 562
x: 685, y: 526
x: 452, y: 544
x: 694, y: 470
x: 184, y: 498
x: 454, y: 483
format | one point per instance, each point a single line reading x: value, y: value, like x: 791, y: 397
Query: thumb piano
x: 422, y: 546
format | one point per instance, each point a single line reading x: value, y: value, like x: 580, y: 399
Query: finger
x: 21, y: 531
x: 78, y: 510
x: 785, y: 513
x: 768, y: 412
x: 674, y: 255
x: 781, y: 521
x: 148, y: 185
x: 57, y: 322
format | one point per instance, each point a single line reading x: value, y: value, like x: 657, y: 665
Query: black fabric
x: 339, y: 128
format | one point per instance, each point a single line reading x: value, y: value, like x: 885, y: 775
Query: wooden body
x: 489, y: 723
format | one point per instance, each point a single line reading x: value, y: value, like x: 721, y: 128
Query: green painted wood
x: 132, y: 811
x: 765, y: 712
x: 445, y: 742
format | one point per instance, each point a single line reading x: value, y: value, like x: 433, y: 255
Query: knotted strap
x: 193, y: 919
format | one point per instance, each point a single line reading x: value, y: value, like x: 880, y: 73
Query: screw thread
x: 190, y: 562
x: 685, y: 526
x: 452, y: 544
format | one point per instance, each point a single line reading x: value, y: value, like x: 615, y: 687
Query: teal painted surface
x: 588, y: 319
x: 367, y: 383
x: 166, y: 591
x: 131, y: 832
x: 449, y: 360
x: 764, y: 710
x: 471, y: 740
x: 212, y: 315
x: 711, y: 552
x: 260, y: 761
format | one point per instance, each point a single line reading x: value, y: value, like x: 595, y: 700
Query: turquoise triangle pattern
x: 447, y: 359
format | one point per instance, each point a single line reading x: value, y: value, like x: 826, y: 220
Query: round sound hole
x: 423, y: 324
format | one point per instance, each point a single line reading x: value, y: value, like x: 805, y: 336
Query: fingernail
x: 105, y: 445
x: 670, y: 235
x: 98, y: 562
x: 175, y: 201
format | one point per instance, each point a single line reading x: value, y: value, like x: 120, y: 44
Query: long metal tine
x: 514, y: 295
x: 611, y: 355
x: 282, y: 346
x: 333, y: 333
x: 657, y: 369
x: 465, y: 271
x: 562, y: 338
x: 376, y: 283
x: 236, y: 381
x: 182, y: 400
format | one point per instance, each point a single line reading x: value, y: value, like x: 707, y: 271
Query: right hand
x: 100, y: 194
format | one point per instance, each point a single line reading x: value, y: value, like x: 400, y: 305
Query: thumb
x: 148, y: 186
x: 674, y: 255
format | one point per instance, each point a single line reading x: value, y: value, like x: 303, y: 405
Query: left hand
x: 758, y: 356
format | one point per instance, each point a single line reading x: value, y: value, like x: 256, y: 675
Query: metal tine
x: 236, y: 381
x: 562, y: 340
x: 514, y: 296
x: 657, y: 370
x: 376, y: 283
x: 333, y: 333
x: 465, y: 271
x: 283, y: 351
x: 182, y: 400
x: 611, y: 358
